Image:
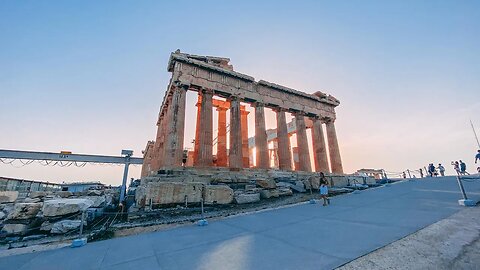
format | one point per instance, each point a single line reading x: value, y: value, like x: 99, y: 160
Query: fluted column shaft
x: 302, y: 144
x: 319, y: 146
x: 261, y: 143
x: 222, y: 137
x: 197, y: 129
x: 334, y: 151
x: 235, y: 151
x: 284, y: 155
x: 175, y: 129
x: 244, y: 122
x: 205, y: 134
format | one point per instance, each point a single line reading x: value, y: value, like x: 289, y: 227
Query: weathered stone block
x: 173, y: 192
x: 37, y: 194
x: 285, y: 192
x: 266, y: 183
x: 64, y: 226
x: 30, y: 200
x: 269, y: 193
x: 60, y: 207
x: 242, y: 198
x: 15, y: 228
x: 25, y: 210
x: 64, y: 194
x: 98, y: 201
x: 220, y: 194
x: 46, y: 226
x: 8, y: 196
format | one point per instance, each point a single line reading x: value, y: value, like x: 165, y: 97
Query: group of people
x: 460, y: 167
x: 434, y: 171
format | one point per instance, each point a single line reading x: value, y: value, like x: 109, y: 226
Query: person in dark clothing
x: 463, y: 168
x: 477, y: 156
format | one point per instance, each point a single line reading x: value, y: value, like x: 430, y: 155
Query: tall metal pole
x: 475, y: 133
x: 124, y: 182
x: 460, y: 184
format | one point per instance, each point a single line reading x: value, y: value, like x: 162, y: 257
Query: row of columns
x: 170, y: 135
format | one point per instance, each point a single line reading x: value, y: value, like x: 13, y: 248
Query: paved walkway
x: 306, y: 236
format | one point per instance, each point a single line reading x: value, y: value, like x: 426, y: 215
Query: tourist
x: 324, y: 189
x: 477, y: 156
x: 421, y: 173
x: 441, y: 169
x: 463, y: 168
x: 431, y: 169
x: 404, y: 175
x: 456, y: 166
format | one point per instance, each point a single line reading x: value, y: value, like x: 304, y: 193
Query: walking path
x: 306, y: 236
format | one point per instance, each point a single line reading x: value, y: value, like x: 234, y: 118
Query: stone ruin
x: 172, y: 175
x: 46, y: 213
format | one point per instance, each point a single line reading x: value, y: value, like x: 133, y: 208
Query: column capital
x: 279, y: 109
x: 258, y: 104
x: 300, y: 113
x: 233, y: 97
x: 328, y: 120
x: 206, y: 90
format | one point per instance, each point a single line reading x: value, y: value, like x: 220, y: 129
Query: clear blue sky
x: 89, y: 76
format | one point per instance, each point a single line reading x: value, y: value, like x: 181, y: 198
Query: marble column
x: 261, y: 143
x: 235, y: 151
x: 302, y: 143
x: 197, y: 128
x: 222, y: 137
x: 319, y: 146
x: 284, y: 154
x: 334, y: 151
x: 175, y: 129
x: 244, y: 122
x: 205, y: 135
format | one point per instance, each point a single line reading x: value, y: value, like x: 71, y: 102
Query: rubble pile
x: 220, y: 186
x: 47, y: 213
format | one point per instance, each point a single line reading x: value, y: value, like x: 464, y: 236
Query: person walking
x: 441, y: 169
x: 324, y: 189
x: 421, y: 173
x: 456, y: 166
x: 431, y: 169
x: 463, y: 168
x: 477, y: 156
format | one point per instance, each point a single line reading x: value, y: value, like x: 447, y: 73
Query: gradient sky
x: 89, y: 76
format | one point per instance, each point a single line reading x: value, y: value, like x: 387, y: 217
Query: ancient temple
x: 221, y: 88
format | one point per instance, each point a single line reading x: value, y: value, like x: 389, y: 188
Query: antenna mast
x: 475, y: 133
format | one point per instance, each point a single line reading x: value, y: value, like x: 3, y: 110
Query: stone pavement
x: 305, y: 236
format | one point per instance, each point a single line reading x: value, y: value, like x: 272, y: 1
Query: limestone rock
x: 66, y: 225
x: 173, y: 192
x: 64, y: 194
x: 220, y: 194
x: 266, y: 183
x: 284, y: 192
x: 95, y: 192
x: 30, y: 200
x: 15, y: 228
x: 46, y: 226
x: 8, y: 196
x: 269, y: 193
x: 298, y: 186
x: 37, y: 194
x: 60, y: 207
x: 98, y: 201
x: 25, y: 210
x: 242, y: 198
